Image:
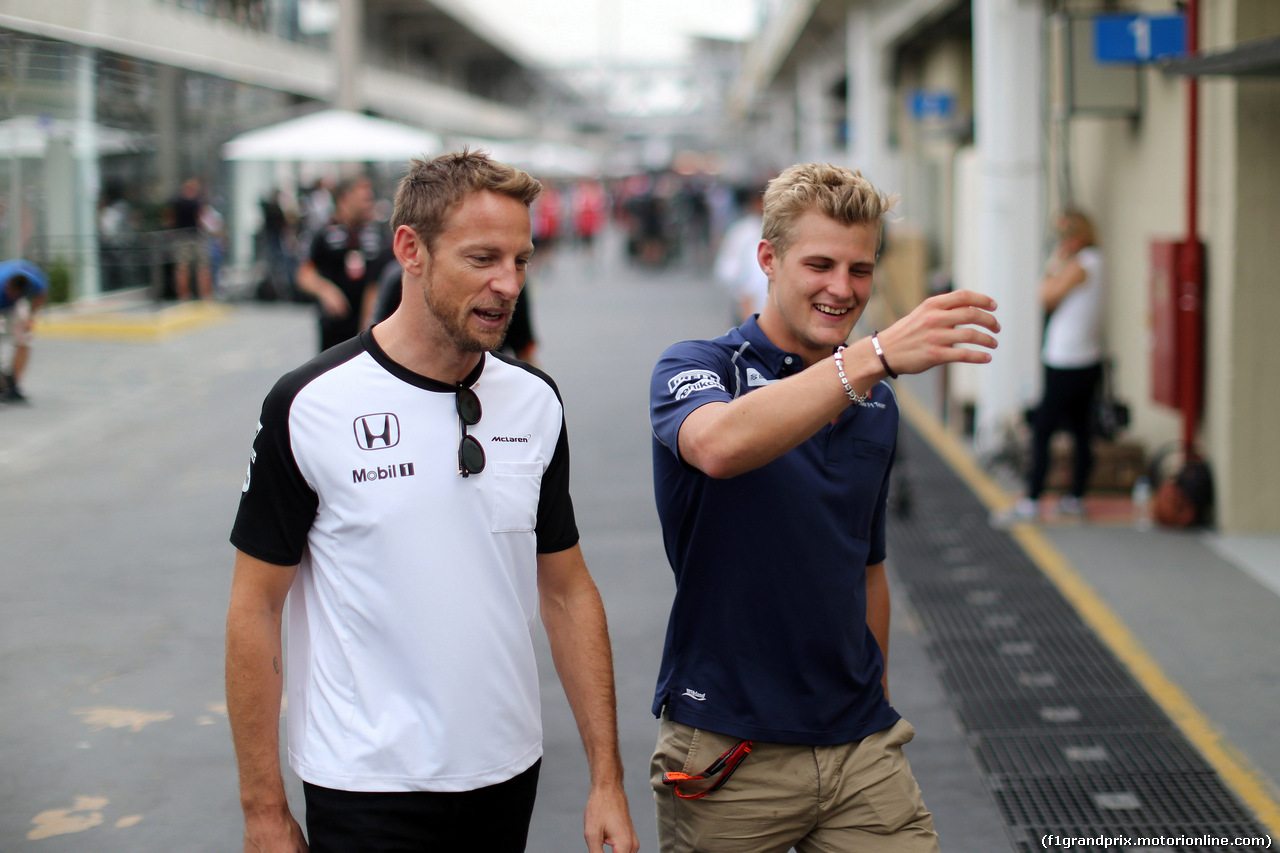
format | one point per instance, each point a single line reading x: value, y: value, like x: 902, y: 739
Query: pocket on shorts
x: 671, y: 754
x: 517, y: 486
x: 893, y: 794
x: 685, y: 749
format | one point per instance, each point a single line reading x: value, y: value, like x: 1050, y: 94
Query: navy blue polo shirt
x: 768, y: 636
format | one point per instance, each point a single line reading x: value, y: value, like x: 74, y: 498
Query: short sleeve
x: 277, y: 505
x: 557, y: 528
x: 688, y: 375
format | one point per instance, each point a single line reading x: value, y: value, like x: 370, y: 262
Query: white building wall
x: 1244, y: 384
x: 1132, y: 178
x: 1128, y: 177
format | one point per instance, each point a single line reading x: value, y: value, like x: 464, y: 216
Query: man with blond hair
x: 772, y: 451
x: 418, y: 534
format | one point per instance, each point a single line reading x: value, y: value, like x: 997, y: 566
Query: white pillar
x: 169, y: 141
x: 810, y: 108
x: 14, y: 213
x: 1007, y: 46
x: 88, y: 177
x: 867, y: 148
x: 347, y: 41
x: 58, y: 186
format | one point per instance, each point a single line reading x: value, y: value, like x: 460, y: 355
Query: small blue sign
x: 932, y: 105
x: 1139, y: 38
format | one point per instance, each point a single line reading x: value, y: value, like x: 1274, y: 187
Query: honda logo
x: 377, y: 432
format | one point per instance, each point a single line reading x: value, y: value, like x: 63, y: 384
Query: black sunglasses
x: 470, y: 453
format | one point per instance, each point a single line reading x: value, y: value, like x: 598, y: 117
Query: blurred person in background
x: 772, y: 451
x: 341, y: 270
x: 1073, y: 295
x: 589, y: 208
x: 316, y: 205
x: 548, y: 219
x: 23, y: 290
x: 277, y: 245
x: 737, y: 265
x: 417, y: 565
x: 190, y: 248
x: 214, y: 234
x: 115, y: 238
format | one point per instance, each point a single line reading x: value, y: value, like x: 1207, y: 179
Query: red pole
x: 1190, y: 310
x: 1193, y: 135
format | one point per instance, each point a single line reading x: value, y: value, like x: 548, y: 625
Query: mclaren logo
x: 377, y: 432
x: 517, y: 439
x: 388, y: 472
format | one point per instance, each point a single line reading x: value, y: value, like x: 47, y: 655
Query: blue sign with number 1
x: 1138, y: 38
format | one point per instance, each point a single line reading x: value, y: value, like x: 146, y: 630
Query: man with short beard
x: 409, y: 491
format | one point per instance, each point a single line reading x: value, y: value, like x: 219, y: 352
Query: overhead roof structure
x: 1252, y: 59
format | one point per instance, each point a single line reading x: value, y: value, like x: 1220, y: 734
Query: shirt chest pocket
x: 516, y: 489
x: 871, y: 457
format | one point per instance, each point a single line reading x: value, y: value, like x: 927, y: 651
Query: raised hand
x: 931, y: 334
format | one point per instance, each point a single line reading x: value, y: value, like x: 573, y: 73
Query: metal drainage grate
x: 1046, y: 680
x: 1087, y: 752
x: 1104, y: 798
x: 1070, y: 743
x: 995, y: 714
x: 997, y: 621
x: 1072, y: 646
x: 1028, y: 590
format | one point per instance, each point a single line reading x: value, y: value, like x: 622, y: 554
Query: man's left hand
x: 607, y: 822
x: 933, y: 333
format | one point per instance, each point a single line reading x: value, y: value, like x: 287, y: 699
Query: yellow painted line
x: 129, y: 326
x: 1234, y: 768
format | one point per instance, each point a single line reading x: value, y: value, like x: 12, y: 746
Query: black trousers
x: 494, y: 819
x: 1067, y: 402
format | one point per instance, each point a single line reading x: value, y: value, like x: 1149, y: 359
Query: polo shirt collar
x: 778, y: 361
x: 406, y: 375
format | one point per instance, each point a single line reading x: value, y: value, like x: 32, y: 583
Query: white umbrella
x: 333, y: 136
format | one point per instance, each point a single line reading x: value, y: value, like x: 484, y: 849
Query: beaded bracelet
x: 875, y: 342
x: 838, y: 355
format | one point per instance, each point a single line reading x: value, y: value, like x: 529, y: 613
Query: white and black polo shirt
x: 411, y: 620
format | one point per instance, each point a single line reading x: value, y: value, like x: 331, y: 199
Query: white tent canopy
x: 333, y: 136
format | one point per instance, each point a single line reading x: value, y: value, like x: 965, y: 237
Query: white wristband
x: 838, y: 355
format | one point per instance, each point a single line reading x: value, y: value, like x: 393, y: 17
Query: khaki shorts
x: 189, y: 249
x: 857, y: 796
x: 15, y: 323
